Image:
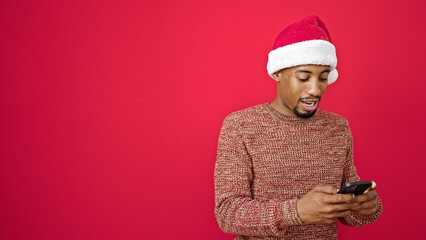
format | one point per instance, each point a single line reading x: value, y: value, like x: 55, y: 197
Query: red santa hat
x: 302, y: 43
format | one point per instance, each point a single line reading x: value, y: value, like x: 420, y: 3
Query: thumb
x: 373, y: 186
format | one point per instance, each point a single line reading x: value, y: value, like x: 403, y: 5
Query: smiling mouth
x: 310, y: 104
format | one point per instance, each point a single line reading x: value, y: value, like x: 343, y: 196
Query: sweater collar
x: 290, y: 119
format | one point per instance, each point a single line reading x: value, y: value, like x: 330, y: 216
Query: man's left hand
x: 367, y: 202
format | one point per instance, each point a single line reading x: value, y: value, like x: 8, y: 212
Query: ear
x: 276, y: 76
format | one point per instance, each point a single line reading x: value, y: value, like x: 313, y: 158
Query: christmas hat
x: 302, y: 43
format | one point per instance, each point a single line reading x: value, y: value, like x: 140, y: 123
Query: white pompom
x: 332, y: 76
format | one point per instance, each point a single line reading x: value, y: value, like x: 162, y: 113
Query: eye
x: 323, y: 77
x: 303, y: 79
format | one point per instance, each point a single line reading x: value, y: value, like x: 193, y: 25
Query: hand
x: 323, y: 205
x: 367, y: 202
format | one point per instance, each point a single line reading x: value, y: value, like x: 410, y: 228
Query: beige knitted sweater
x: 267, y: 160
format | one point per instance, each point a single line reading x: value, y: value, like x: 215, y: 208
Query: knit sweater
x: 267, y: 160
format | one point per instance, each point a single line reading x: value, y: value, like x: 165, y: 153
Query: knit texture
x: 309, y: 28
x: 305, y: 42
x: 267, y: 160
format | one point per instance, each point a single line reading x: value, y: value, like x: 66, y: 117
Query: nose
x: 313, y: 87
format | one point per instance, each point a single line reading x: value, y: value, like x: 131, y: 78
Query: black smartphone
x: 356, y: 188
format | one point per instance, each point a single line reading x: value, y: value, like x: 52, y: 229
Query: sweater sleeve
x: 350, y: 175
x: 235, y: 209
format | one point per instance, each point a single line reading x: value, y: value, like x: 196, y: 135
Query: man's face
x: 300, y: 89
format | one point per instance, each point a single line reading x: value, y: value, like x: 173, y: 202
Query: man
x: 280, y: 164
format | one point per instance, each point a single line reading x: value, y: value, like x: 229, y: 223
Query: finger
x: 346, y: 206
x: 344, y: 213
x: 366, y: 206
x: 338, y: 198
x: 332, y: 208
x: 366, y: 197
x: 372, y: 187
x: 372, y: 194
x: 369, y: 210
x: 361, y: 198
x: 326, y: 189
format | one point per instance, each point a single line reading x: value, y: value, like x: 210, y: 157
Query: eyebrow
x: 306, y: 71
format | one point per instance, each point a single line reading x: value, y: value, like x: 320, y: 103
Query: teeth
x: 310, y: 104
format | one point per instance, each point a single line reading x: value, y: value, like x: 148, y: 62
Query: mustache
x: 310, y: 98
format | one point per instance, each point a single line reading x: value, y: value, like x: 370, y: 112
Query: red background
x: 110, y: 110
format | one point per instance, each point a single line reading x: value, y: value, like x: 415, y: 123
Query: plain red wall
x: 110, y: 110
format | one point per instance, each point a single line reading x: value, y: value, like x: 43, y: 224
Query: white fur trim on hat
x: 319, y: 52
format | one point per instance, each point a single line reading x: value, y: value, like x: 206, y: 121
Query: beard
x: 303, y: 115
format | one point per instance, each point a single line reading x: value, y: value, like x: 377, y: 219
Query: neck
x: 278, y: 105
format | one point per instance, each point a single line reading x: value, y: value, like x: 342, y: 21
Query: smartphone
x: 356, y: 188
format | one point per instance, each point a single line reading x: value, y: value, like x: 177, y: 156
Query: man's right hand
x: 323, y: 205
